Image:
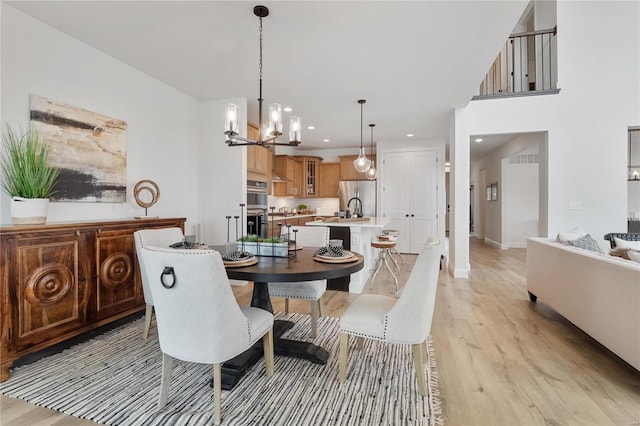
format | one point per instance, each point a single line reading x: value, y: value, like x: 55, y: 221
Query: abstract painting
x: 89, y: 148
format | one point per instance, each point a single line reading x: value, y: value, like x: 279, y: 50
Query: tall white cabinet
x: 410, y: 195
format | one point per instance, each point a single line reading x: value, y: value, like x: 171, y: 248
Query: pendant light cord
x: 260, y: 97
x: 361, y: 107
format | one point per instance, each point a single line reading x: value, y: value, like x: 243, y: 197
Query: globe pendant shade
x: 372, y: 172
x: 362, y: 163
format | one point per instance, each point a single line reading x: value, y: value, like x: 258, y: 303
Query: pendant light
x: 361, y: 163
x: 371, y: 173
x: 268, y: 132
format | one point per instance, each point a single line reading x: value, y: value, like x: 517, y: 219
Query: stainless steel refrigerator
x: 365, y: 190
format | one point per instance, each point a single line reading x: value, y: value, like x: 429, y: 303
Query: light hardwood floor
x: 502, y: 360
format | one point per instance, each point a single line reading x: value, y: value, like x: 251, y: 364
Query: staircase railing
x: 527, y: 64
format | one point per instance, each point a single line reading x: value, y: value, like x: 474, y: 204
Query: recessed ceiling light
x: 409, y: 135
x: 478, y: 140
x: 288, y: 109
x: 325, y: 140
x: 310, y: 127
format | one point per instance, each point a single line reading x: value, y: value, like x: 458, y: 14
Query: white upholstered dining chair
x: 199, y: 319
x: 306, y: 236
x: 406, y: 320
x: 160, y: 237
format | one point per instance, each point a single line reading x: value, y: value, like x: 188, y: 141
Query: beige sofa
x: 600, y: 294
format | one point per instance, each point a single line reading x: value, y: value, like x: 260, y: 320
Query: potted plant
x: 26, y: 175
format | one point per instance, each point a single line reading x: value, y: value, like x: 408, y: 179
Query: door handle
x: 412, y: 215
x: 406, y: 215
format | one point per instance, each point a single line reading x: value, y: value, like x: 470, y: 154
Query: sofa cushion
x: 588, y: 243
x: 575, y: 234
x: 625, y: 244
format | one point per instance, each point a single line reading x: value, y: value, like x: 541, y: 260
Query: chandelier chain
x: 260, y: 49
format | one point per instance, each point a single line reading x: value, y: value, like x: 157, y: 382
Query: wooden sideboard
x: 59, y: 280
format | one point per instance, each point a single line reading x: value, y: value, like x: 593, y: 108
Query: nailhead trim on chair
x: 384, y: 334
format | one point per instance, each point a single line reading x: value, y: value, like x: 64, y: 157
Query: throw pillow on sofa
x: 588, y: 243
x: 626, y: 244
x: 575, y: 234
x: 634, y: 255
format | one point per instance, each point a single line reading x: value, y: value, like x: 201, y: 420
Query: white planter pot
x: 29, y: 211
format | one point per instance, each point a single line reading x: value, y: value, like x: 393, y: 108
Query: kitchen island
x: 363, y: 231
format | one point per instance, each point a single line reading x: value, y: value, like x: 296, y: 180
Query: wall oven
x: 256, y: 195
x: 257, y: 218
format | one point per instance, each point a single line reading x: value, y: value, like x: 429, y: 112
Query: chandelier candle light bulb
x: 231, y: 118
x: 294, y: 129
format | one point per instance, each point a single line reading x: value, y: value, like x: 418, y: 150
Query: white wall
x: 162, y: 132
x: 223, y: 171
x: 587, y: 122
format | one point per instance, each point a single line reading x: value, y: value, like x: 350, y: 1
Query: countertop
x: 372, y: 223
x: 290, y: 216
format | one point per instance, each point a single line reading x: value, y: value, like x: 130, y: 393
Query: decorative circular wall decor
x: 147, y: 193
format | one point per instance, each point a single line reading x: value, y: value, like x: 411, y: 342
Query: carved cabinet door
x: 50, y: 288
x: 118, y: 285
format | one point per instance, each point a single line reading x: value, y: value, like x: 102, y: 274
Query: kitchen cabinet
x: 277, y: 224
x: 61, y: 280
x: 329, y: 180
x: 410, y: 196
x: 310, y: 175
x: 290, y: 170
x: 347, y: 171
x: 257, y: 157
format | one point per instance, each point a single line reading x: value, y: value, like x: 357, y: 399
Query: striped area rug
x: 114, y: 379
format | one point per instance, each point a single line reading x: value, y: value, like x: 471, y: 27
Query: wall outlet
x: 575, y: 205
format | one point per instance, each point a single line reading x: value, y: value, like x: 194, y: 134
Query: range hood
x: 274, y: 175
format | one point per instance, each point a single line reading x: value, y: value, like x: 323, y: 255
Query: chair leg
x: 217, y: 393
x: 384, y: 257
x: 286, y: 306
x: 267, y: 344
x: 167, y: 363
x: 376, y: 267
x: 397, y: 253
x: 418, y: 361
x: 395, y: 262
x: 344, y: 355
x: 321, y: 307
x: 147, y: 321
x: 314, y: 319
x: 360, y: 341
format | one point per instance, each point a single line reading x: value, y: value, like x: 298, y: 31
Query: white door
x: 395, y: 193
x: 409, y: 192
x: 423, y: 207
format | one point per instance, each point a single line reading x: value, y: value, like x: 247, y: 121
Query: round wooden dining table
x: 300, y: 267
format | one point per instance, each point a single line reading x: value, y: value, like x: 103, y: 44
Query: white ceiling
x: 412, y: 61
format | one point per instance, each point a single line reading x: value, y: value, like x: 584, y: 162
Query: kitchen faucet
x: 358, y: 212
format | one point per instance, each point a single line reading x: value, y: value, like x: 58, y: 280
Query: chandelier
x: 371, y: 172
x: 361, y: 163
x: 269, y: 132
